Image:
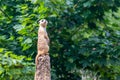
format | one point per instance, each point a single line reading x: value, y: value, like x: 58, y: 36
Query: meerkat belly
x: 42, y: 46
x: 42, y: 41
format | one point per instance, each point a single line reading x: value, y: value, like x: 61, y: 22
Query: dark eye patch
x: 42, y: 20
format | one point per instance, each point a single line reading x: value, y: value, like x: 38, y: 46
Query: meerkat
x: 43, y: 39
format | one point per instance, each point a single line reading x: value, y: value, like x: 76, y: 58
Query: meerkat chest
x: 41, y: 35
x: 42, y: 29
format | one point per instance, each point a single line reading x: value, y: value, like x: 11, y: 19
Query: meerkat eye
x: 42, y: 20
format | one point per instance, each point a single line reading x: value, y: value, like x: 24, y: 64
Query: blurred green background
x: 84, y: 35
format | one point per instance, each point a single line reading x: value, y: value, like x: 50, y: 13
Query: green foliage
x: 84, y: 34
x: 13, y: 67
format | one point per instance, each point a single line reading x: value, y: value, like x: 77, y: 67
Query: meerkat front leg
x: 47, y: 38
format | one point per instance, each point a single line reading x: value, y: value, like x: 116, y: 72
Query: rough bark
x: 43, y: 68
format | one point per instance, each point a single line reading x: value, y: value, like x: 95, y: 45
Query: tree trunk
x: 43, y: 68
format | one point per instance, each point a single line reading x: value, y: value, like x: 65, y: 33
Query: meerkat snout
x: 43, y: 22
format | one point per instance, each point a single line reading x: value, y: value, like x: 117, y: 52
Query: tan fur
x: 43, y: 40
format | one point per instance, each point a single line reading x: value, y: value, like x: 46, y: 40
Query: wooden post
x: 43, y: 68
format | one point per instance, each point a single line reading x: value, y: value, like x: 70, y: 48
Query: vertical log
x: 43, y: 68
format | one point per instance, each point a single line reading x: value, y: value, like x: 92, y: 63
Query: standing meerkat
x: 43, y: 39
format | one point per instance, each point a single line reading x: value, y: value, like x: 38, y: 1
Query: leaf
x: 1, y: 50
x: 18, y: 27
x: 87, y: 4
x: 1, y: 70
x: 28, y: 41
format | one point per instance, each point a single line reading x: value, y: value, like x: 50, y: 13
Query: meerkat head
x: 43, y: 22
